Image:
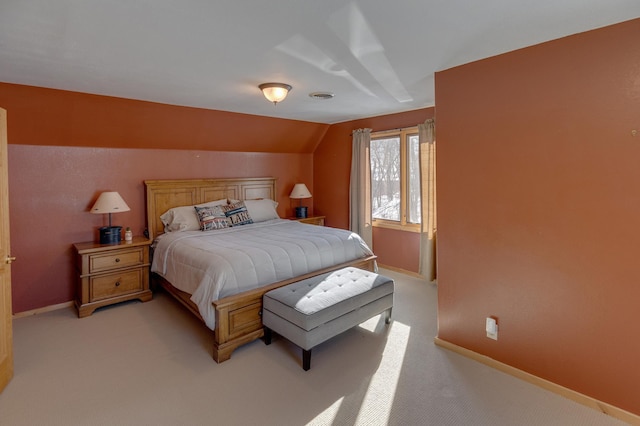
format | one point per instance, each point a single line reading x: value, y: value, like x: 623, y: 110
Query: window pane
x: 385, y: 178
x: 413, y: 190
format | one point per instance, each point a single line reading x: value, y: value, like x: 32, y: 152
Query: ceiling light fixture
x: 275, y: 92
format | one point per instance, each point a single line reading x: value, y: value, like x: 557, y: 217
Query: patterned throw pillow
x: 237, y: 213
x: 212, y: 217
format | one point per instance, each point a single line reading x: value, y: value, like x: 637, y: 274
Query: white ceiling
x: 377, y: 56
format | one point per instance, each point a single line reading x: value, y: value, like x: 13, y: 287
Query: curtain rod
x: 396, y: 128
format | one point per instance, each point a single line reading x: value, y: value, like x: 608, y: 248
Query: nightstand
x: 111, y: 273
x: 313, y: 220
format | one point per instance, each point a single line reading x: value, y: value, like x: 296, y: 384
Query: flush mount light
x: 321, y: 95
x: 275, y: 92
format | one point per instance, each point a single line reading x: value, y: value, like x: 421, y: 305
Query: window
x: 395, y: 178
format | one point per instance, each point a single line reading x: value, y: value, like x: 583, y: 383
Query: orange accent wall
x: 398, y: 249
x: 539, y: 207
x: 60, y: 118
x: 331, y: 174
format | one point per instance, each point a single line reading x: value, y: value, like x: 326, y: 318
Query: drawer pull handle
x: 117, y: 283
x: 117, y: 259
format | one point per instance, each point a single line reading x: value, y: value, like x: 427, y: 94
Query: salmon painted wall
x: 332, y: 167
x: 397, y: 249
x: 60, y: 159
x: 61, y: 118
x: 539, y: 207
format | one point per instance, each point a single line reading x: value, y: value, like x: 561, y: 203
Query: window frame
x: 402, y: 224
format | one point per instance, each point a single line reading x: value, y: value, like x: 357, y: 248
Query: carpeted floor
x: 150, y: 364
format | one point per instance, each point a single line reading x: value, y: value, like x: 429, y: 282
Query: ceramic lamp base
x: 110, y: 234
x: 301, y: 212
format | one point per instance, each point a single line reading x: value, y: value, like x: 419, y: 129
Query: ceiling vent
x: 321, y: 95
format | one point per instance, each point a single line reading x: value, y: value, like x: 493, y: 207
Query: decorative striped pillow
x: 237, y: 213
x: 212, y: 217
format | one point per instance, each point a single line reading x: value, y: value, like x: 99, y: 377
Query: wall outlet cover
x: 492, y: 328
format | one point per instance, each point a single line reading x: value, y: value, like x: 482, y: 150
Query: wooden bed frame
x: 238, y: 317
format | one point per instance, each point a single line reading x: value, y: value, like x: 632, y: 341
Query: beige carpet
x: 150, y: 364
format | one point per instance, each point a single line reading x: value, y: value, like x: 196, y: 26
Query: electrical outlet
x: 492, y: 328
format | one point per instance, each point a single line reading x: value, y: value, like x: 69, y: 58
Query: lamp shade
x: 300, y: 190
x: 109, y: 202
x: 275, y: 92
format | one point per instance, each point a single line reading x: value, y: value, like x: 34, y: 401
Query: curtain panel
x: 427, y: 137
x: 360, y: 217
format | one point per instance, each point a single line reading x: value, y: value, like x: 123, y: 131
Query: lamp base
x: 110, y: 234
x: 301, y: 212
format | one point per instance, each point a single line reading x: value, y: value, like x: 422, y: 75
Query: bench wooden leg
x: 267, y: 336
x: 387, y: 316
x: 306, y: 359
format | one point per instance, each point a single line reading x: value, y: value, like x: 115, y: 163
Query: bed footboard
x: 239, y: 317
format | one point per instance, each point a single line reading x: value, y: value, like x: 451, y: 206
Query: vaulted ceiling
x: 376, y: 56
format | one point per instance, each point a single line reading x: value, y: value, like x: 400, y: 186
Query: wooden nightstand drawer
x: 111, y: 273
x: 107, y: 286
x: 121, y: 259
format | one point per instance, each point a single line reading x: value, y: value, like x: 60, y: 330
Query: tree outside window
x: 395, y: 178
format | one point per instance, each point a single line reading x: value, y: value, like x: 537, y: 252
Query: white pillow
x: 261, y: 210
x: 185, y: 218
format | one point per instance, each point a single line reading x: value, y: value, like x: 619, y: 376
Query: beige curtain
x: 360, y: 186
x: 427, y: 135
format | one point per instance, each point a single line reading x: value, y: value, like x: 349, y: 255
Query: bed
x: 235, y: 316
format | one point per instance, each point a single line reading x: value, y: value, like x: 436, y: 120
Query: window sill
x: 396, y: 226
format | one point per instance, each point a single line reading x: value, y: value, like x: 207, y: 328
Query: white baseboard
x: 590, y: 402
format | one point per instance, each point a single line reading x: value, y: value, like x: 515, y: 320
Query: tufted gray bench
x: 313, y: 310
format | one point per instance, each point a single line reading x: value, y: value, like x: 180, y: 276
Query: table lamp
x: 110, y: 202
x: 300, y: 191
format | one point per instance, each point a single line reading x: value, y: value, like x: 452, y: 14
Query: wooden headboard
x: 165, y: 194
